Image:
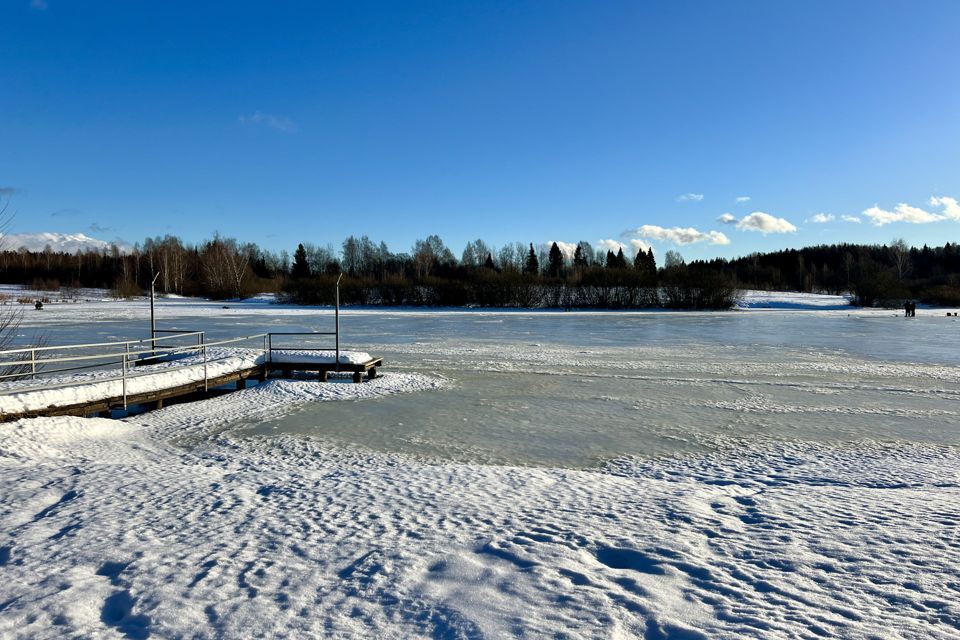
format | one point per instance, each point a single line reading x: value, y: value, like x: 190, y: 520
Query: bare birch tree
x: 900, y: 252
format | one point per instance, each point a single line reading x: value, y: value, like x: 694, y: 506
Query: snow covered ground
x: 289, y: 537
x: 792, y: 300
x: 769, y: 474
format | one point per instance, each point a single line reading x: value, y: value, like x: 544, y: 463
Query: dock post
x: 33, y: 364
x: 126, y: 356
x: 205, y: 381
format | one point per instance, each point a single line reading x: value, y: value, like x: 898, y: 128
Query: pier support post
x: 357, y: 377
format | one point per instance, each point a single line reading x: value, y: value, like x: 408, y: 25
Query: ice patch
x: 274, y: 398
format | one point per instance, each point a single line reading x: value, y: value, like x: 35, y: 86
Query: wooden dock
x: 259, y: 363
x: 200, y: 388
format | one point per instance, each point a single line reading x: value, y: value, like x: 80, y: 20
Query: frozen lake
x: 577, y: 389
x: 755, y: 474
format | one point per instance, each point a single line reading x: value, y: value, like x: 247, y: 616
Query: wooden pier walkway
x: 146, y: 373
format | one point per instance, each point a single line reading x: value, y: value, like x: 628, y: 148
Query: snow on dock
x: 150, y: 377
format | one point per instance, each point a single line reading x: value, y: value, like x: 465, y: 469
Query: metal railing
x: 30, y: 361
x: 120, y: 351
x: 336, y: 347
x: 32, y: 356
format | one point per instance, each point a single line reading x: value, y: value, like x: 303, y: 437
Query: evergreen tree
x: 555, y: 262
x: 621, y: 260
x: 488, y: 263
x: 301, y: 268
x: 533, y: 263
x: 611, y: 260
x: 579, y: 259
x: 644, y: 262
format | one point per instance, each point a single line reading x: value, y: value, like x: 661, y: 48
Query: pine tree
x: 555, y: 264
x: 644, y: 262
x: 611, y: 260
x: 579, y: 260
x: 488, y: 263
x: 301, y: 268
x: 621, y: 260
x: 533, y: 263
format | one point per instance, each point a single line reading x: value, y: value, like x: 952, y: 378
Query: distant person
x: 38, y: 305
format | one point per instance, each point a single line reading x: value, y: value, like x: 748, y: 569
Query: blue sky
x: 282, y: 122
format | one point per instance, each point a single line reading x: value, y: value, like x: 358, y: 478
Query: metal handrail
x: 127, y: 356
x: 146, y: 354
x: 87, y: 381
x: 336, y: 348
x: 92, y: 344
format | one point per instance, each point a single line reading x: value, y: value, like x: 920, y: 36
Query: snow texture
x: 110, y: 530
x: 301, y: 356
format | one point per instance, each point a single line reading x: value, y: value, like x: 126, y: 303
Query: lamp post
x: 336, y: 315
x: 153, y: 320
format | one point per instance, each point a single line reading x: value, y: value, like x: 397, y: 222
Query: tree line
x: 514, y: 275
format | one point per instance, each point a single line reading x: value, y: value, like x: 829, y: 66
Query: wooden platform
x: 155, y: 399
x: 324, y: 369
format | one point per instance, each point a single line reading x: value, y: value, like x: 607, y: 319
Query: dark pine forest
x: 516, y: 275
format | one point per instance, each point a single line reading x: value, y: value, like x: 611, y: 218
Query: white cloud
x: 566, y: 248
x: 951, y: 208
x: 765, y: 223
x: 679, y: 235
x: 727, y: 218
x: 277, y: 123
x: 59, y: 242
x: 853, y: 219
x: 742, y: 199
x: 901, y: 213
x: 821, y: 218
x: 612, y: 245
x: 639, y: 245
x: 690, y: 197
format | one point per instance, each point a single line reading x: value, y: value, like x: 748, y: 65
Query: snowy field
x: 774, y: 473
